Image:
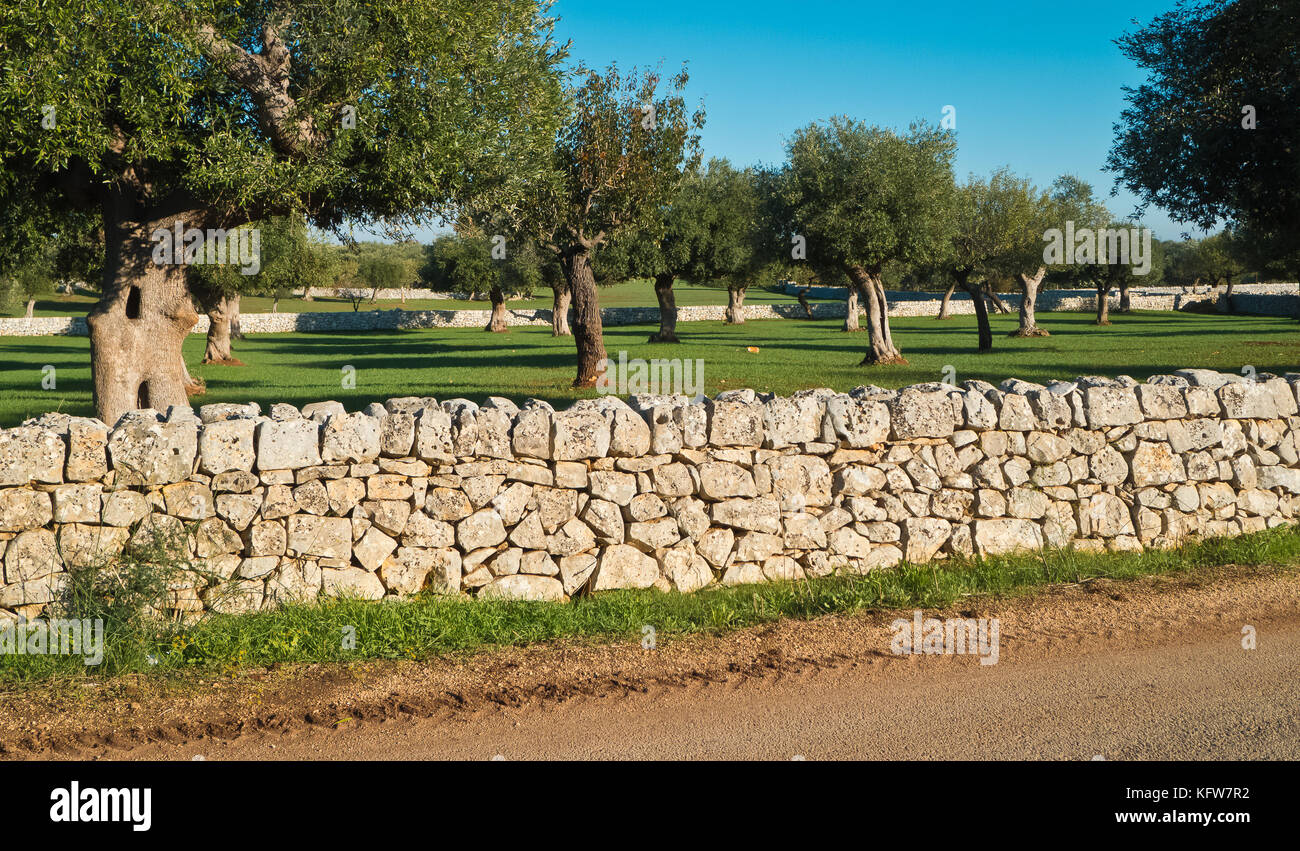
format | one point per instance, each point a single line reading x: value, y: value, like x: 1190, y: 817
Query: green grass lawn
x: 626, y: 294
x: 793, y: 354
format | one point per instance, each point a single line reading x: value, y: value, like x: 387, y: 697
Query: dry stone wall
x: 1264, y: 299
x: 495, y: 500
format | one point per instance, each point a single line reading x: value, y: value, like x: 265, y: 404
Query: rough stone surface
x: 416, y: 496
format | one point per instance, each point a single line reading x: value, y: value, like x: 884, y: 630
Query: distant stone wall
x: 493, y: 500
x: 1264, y: 299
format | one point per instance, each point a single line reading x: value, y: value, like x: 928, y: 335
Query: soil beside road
x: 1151, y: 669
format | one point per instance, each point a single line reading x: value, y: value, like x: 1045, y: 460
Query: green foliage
x: 1072, y: 199
x: 708, y: 234
x: 380, y: 272
x: 463, y: 263
x: 245, y: 109
x: 619, y: 156
x: 998, y: 225
x: 866, y: 196
x: 73, y: 255
x: 460, y: 264
x: 1183, y: 143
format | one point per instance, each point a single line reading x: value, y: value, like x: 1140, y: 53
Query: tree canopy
x: 1213, y: 134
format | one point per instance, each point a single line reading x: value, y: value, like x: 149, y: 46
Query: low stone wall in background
x: 493, y: 500
x: 1278, y: 300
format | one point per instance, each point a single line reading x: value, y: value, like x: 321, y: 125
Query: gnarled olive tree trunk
x: 588, y: 334
x: 736, y: 305
x: 1028, y: 301
x: 802, y: 295
x: 235, y: 330
x: 852, y: 308
x: 945, y: 306
x: 31, y: 308
x: 142, y: 318
x: 1125, y: 302
x: 1103, y: 303
x: 497, y: 322
x: 1228, y: 304
x: 998, y: 304
x: 882, y: 349
x: 976, y: 292
x: 667, y: 332
x: 561, y: 296
x: 222, y: 310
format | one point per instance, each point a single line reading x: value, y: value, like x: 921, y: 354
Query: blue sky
x: 1036, y: 85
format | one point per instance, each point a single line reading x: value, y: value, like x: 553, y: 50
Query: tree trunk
x: 1227, y: 297
x: 1125, y: 304
x: 561, y: 296
x: 588, y: 334
x: 803, y: 300
x: 143, y: 315
x: 498, y: 321
x: 235, y: 330
x: 222, y: 310
x: 945, y: 305
x: 998, y: 304
x: 1103, y: 304
x: 667, y: 310
x: 976, y: 293
x: 31, y: 308
x: 1028, y: 301
x: 736, y: 305
x: 881, y: 349
x: 852, y: 309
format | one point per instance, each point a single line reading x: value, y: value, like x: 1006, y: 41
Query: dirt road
x: 1151, y: 670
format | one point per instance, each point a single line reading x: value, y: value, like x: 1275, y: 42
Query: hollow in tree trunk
x: 667, y: 332
x: 945, y: 306
x: 588, y: 335
x: 852, y: 308
x: 498, y: 321
x: 143, y: 315
x: 1103, y: 304
x: 1028, y: 301
x: 736, y: 305
x: 881, y: 349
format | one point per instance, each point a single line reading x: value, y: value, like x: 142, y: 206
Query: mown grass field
x: 793, y: 354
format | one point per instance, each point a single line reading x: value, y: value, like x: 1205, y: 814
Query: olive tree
x: 194, y: 119
x: 470, y: 262
x: 1213, y: 133
x: 623, y: 148
x: 707, y: 235
x: 859, y: 197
